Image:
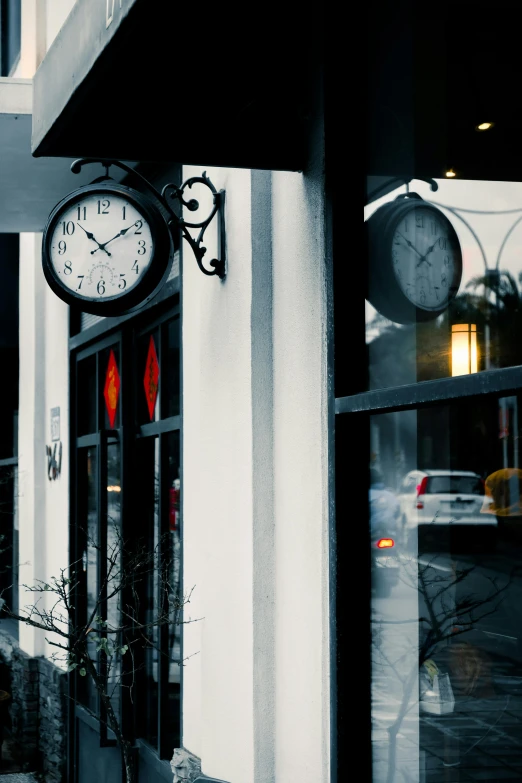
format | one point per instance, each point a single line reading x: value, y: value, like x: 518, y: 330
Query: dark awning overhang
x: 179, y: 83
x: 29, y: 187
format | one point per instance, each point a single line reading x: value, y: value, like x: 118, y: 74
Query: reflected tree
x: 450, y: 611
x: 100, y: 647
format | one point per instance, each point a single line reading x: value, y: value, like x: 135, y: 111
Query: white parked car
x: 433, y: 501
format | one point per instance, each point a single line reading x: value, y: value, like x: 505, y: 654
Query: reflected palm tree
x: 400, y: 354
x: 495, y: 299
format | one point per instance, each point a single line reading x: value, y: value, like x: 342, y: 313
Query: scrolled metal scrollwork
x: 175, y: 221
x: 218, y: 198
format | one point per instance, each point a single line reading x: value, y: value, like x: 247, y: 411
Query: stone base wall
x: 36, y: 715
x: 52, y: 725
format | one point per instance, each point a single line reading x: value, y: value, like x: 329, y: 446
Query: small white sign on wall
x: 55, y: 424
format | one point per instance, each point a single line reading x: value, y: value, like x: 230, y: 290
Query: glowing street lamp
x: 464, y: 351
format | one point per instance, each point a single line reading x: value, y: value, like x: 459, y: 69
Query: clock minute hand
x: 410, y: 244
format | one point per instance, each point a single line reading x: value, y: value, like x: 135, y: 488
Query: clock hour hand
x: 91, y: 236
x: 119, y: 234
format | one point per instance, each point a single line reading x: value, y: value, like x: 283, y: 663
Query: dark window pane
x: 148, y: 535
x: 171, y: 369
x: 87, y: 531
x: 172, y: 710
x: 86, y: 395
x: 113, y: 566
x: 446, y: 590
x: 8, y: 534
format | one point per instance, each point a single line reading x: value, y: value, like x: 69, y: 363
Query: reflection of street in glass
x: 384, y: 524
x: 464, y: 607
x: 434, y: 500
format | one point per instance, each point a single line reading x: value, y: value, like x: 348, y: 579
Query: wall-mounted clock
x: 414, y: 260
x: 106, y: 249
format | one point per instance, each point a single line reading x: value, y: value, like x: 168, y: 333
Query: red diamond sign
x: 111, y: 390
x: 151, y: 377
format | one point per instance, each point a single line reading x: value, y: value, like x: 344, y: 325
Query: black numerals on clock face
x: 101, y: 246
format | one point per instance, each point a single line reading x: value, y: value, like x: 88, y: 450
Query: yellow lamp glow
x: 484, y: 126
x: 450, y: 173
x: 464, y: 351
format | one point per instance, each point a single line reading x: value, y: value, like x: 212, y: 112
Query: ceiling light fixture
x: 484, y: 126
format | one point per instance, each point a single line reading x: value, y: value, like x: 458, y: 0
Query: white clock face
x: 101, y: 246
x: 425, y: 258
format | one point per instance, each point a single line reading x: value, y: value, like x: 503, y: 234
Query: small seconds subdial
x: 101, y: 246
x: 101, y: 276
x: 425, y: 255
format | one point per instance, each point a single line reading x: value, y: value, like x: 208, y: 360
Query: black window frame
x: 123, y: 331
x: 350, y: 409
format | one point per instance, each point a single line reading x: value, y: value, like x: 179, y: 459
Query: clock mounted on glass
x: 106, y: 249
x: 414, y: 260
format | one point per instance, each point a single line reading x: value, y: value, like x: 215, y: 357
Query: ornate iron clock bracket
x: 175, y: 222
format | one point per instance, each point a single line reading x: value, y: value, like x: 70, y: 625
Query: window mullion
x: 441, y: 390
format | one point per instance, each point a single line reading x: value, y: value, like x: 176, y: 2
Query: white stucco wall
x: 255, y: 502
x: 217, y: 492
x: 44, y: 384
x: 31, y: 431
x: 57, y: 396
x: 301, y: 483
x: 44, y: 375
x: 57, y: 12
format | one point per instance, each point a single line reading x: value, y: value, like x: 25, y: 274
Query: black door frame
x: 102, y: 335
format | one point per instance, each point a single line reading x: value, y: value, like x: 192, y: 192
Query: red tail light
x: 385, y: 543
x: 421, y: 489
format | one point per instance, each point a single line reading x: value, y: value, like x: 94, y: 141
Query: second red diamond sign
x: 151, y: 377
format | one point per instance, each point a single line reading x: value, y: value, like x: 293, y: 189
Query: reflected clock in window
x: 414, y: 260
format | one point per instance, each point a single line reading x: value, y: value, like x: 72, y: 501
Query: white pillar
x: 31, y: 431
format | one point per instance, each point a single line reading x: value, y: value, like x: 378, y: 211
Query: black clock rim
x: 153, y: 278
x: 388, y: 298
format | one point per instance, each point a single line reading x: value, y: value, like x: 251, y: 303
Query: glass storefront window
x: 446, y: 544
x: 171, y: 387
x: 86, y: 383
x: 175, y: 597
x: 114, y: 565
x: 127, y: 528
x: 89, y: 541
x: 427, y: 385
